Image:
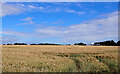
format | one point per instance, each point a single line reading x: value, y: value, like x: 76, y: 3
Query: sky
x: 59, y: 22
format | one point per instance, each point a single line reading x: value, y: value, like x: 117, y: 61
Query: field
x: 59, y: 58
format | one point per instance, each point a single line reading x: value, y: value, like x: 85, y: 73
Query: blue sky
x: 60, y: 22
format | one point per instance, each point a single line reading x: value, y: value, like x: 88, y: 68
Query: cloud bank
x: 18, y: 8
x: 92, y: 30
x: 88, y: 31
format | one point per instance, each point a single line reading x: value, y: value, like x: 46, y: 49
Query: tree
x: 118, y: 43
x: 33, y: 44
x: 9, y: 44
x: 20, y: 44
x: 96, y: 43
x: 79, y: 43
x: 106, y: 43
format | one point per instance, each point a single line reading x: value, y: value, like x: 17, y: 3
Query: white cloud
x: 88, y: 31
x: 14, y: 33
x: 51, y: 9
x: 18, y: 8
x: 32, y: 6
x: 10, y: 9
x: 36, y: 7
x: 26, y: 23
x: 15, y: 9
x: 27, y: 20
x: 97, y: 29
x: 73, y: 11
x: 9, y: 39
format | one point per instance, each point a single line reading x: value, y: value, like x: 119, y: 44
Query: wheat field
x: 59, y: 58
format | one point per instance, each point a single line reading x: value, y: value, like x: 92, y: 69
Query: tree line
x: 108, y: 43
x: 31, y: 44
x: 104, y: 43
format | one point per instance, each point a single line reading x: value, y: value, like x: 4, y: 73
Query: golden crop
x: 59, y: 58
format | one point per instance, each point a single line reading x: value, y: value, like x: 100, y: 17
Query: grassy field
x: 46, y: 58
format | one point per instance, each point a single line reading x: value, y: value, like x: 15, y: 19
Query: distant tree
x: 9, y: 44
x: 47, y: 44
x: 40, y: 44
x: 33, y: 44
x: 106, y: 43
x: 113, y: 43
x: 20, y: 44
x: 118, y: 43
x: 3, y: 44
x: 79, y: 44
x: 15, y: 43
x: 75, y: 44
x: 96, y: 43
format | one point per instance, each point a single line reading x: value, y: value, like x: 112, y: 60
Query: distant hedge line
x: 104, y: 43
